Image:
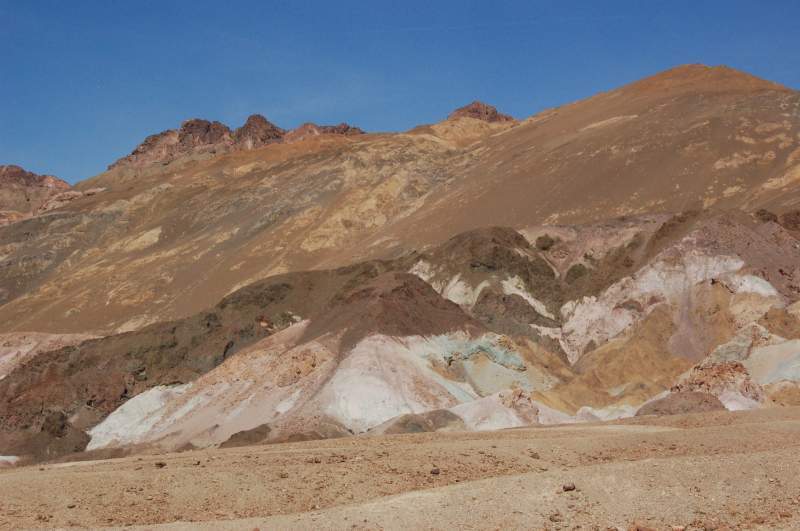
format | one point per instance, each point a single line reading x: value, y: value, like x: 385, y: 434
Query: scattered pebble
x: 160, y: 464
x: 435, y: 471
x: 568, y: 487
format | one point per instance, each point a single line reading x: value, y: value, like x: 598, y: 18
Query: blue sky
x: 81, y: 83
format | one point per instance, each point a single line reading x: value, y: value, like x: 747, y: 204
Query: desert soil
x: 716, y: 470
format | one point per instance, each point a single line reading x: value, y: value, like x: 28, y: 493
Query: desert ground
x: 719, y: 470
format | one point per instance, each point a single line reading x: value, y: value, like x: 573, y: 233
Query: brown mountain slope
x: 690, y: 138
x: 164, y: 241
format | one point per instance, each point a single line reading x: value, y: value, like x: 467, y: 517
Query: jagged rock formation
x: 22, y: 193
x: 197, y: 137
x: 257, y: 131
x: 480, y: 111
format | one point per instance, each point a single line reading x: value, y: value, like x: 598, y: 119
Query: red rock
x: 480, y: 111
x: 257, y: 131
x: 13, y: 174
x: 22, y: 193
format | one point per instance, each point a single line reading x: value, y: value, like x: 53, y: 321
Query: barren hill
x: 637, y: 249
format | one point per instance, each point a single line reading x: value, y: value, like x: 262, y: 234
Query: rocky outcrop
x: 341, y: 129
x: 257, y: 131
x: 12, y: 174
x: 718, y: 378
x: 64, y: 198
x: 194, y: 136
x: 480, y: 111
x: 199, y: 137
x: 310, y: 130
x: 22, y: 193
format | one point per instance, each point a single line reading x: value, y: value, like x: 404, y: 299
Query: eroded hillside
x: 635, y: 252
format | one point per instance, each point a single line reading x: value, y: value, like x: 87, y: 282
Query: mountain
x: 23, y: 193
x: 637, y: 251
x: 691, y: 138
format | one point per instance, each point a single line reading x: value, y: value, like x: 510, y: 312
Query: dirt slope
x: 691, y: 137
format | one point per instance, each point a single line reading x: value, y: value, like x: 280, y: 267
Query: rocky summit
x: 197, y: 137
x: 24, y: 194
x: 480, y: 111
x: 625, y: 257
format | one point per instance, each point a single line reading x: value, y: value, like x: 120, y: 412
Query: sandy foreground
x: 705, y: 471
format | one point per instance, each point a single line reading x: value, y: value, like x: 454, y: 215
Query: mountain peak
x: 257, y: 131
x: 12, y: 174
x: 197, y: 136
x: 22, y: 193
x: 704, y: 78
x: 480, y: 111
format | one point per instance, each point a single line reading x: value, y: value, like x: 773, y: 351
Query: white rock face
x: 598, y: 319
x: 734, y: 401
x: 750, y: 284
x: 590, y: 414
x: 132, y: 421
x: 490, y: 413
x: 515, y: 286
x: 423, y: 270
x: 379, y: 380
x: 385, y: 377
x: 775, y: 363
x: 462, y: 293
x: 291, y: 386
x: 454, y: 288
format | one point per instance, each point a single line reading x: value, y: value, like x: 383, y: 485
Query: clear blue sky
x: 82, y: 82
